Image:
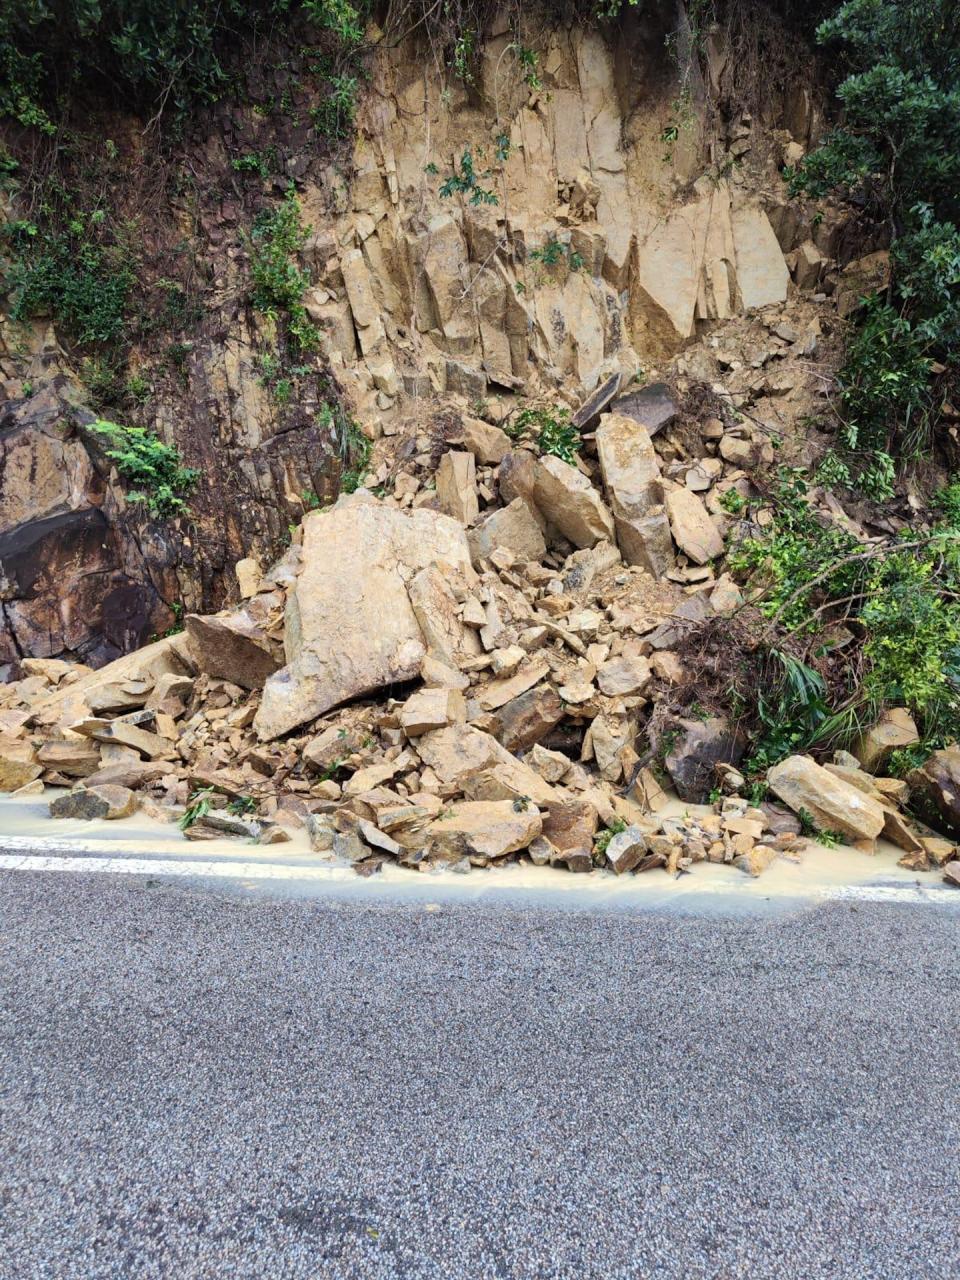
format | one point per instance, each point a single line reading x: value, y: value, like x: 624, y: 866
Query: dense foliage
x: 158, y: 478
x: 903, y: 600
x: 147, y: 56
x: 897, y: 153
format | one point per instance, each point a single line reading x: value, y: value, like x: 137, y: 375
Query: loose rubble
x: 460, y: 675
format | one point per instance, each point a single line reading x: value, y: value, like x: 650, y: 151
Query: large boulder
x: 936, y: 784
x: 694, y: 749
x: 692, y: 526
x: 571, y: 504
x: 18, y: 764
x: 832, y: 803
x: 350, y: 626
x: 103, y: 801
x: 631, y: 474
x: 231, y: 646
x: 484, y: 829
x: 894, y: 730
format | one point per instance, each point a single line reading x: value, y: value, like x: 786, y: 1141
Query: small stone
x: 624, y: 676
x: 627, y: 849
x: 432, y: 709
x: 757, y: 860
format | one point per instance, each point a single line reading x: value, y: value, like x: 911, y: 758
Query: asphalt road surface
x: 203, y: 1083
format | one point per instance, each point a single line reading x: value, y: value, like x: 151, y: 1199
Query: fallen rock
x: 484, y: 829
x: 626, y: 849
x: 431, y: 709
x: 18, y: 764
x: 696, y: 748
x: 487, y: 443
x: 149, y: 745
x: 595, y: 404
x: 624, y: 676
x: 249, y: 577
x: 692, y: 526
x: 523, y: 721
x: 461, y: 754
x: 514, y: 527
x: 951, y: 873
x: 937, y: 785
x: 75, y: 757
x: 653, y: 407
x: 756, y: 860
x: 231, y: 646
x: 832, y: 804
x: 896, y: 728
x: 350, y: 626
x: 631, y: 474
x: 570, y: 827
x: 570, y: 503
x: 88, y: 803
x: 457, y: 487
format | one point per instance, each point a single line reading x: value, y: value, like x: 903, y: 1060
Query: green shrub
x: 81, y: 284
x: 466, y: 181
x: 906, y: 607
x: 550, y: 429
x: 898, y: 154
x: 278, y: 282
x: 152, y: 467
x: 144, y: 55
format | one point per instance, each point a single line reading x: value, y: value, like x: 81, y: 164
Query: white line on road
x: 890, y: 893
x: 171, y: 867
x: 226, y: 868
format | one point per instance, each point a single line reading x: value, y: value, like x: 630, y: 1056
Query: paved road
x: 202, y: 1084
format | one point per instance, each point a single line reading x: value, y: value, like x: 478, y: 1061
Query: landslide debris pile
x: 475, y: 666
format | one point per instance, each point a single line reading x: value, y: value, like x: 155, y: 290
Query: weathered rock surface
x: 696, y: 748
x: 626, y: 849
x: 484, y: 829
x: 937, y: 784
x: 571, y: 504
x: 350, y: 626
x: 514, y: 527
x: 895, y: 729
x: 103, y: 801
x: 18, y: 764
x: 631, y: 475
x: 231, y: 646
x: 692, y: 527
x: 834, y: 805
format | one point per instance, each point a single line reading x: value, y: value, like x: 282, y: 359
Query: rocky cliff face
x: 484, y: 246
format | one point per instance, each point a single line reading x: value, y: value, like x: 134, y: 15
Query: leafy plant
x: 604, y: 836
x: 334, y: 116
x: 240, y: 806
x: 154, y: 468
x: 69, y: 275
x: 200, y: 804
x: 150, y: 57
x: 550, y: 429
x: 466, y: 181
x: 897, y: 155
x: 278, y: 282
x: 554, y: 252
x: 809, y: 828
x: 258, y: 162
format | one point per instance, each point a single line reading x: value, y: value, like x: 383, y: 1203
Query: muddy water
x: 291, y: 868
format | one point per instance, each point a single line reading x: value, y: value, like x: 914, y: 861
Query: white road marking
x: 171, y: 867
x: 890, y: 893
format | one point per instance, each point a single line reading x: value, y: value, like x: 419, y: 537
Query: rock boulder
x: 350, y: 626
